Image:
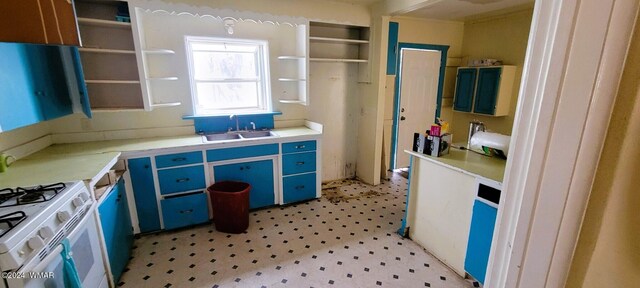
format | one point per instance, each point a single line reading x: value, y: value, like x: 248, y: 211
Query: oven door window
x: 82, y: 256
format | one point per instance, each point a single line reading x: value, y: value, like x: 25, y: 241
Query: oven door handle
x: 45, y: 262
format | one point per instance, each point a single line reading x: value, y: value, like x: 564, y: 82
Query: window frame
x: 264, y: 79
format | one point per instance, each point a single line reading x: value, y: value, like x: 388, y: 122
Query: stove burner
x: 10, y: 220
x: 29, y: 195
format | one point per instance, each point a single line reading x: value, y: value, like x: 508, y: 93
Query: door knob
x: 402, y: 118
x: 401, y: 109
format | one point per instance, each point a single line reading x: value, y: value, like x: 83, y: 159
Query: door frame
x: 573, y: 65
x: 396, y: 94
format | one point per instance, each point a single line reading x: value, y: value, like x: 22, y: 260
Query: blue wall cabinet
x: 257, y: 173
x: 144, y: 193
x: 34, y: 85
x: 465, y: 87
x: 484, y: 90
x: 116, y: 229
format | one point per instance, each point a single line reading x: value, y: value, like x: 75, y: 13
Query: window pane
x: 224, y: 65
x: 227, y: 95
x: 223, y: 47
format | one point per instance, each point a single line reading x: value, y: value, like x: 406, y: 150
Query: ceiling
x: 465, y: 9
x: 455, y: 9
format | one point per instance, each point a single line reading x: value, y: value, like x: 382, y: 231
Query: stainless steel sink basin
x: 237, y: 135
x: 257, y: 134
x: 221, y: 136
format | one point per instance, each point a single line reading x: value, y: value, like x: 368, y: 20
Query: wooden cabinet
x: 116, y: 229
x: 259, y: 174
x: 39, y: 21
x: 144, y: 192
x: 484, y: 90
x: 34, y: 84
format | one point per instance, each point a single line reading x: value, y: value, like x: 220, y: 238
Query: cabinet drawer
x: 299, y: 187
x: 298, y: 146
x: 184, y: 210
x: 241, y: 152
x: 298, y: 163
x: 181, y: 179
x: 178, y: 159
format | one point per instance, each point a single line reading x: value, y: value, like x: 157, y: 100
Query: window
x: 229, y: 75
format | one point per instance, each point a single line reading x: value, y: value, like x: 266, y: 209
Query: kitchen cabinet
x: 484, y: 90
x: 109, y: 63
x: 35, y: 86
x: 299, y: 165
x: 116, y: 229
x: 144, y: 192
x: 485, y: 211
x: 186, y: 210
x: 259, y: 174
x: 39, y: 21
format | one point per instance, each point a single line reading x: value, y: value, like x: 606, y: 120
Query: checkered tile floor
x: 352, y: 243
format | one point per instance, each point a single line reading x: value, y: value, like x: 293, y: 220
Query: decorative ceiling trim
x: 180, y: 9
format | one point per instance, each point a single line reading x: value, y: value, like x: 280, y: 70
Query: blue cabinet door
x: 299, y: 188
x: 257, y: 173
x: 124, y: 235
x: 108, y: 219
x: 185, y: 211
x: 483, y: 223
x: 465, y: 87
x: 487, y: 93
x: 145, y: 193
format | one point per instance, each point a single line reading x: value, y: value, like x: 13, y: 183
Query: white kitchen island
x: 440, y: 201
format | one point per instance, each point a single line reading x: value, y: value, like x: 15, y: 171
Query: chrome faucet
x: 237, y: 124
x: 253, y: 126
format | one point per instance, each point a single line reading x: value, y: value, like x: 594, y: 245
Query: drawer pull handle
x: 180, y: 180
x: 179, y: 159
x: 300, y: 163
x: 248, y: 167
x: 300, y: 146
x: 299, y: 187
x: 186, y: 211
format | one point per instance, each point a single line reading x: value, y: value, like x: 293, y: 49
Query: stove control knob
x: 84, y: 197
x: 63, y: 216
x: 35, y: 243
x: 45, y: 232
x: 77, y: 202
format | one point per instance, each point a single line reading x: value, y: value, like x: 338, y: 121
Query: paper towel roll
x: 488, y: 139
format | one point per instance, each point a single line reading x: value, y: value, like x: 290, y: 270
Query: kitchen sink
x: 221, y: 136
x: 257, y: 134
x: 237, y: 135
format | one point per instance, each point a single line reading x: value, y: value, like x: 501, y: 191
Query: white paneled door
x: 420, y: 72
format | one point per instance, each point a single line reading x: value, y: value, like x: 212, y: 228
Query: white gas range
x: 34, y: 221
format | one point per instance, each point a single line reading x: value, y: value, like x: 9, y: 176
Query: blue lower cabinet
x: 480, y: 236
x: 257, y: 173
x: 299, y: 188
x: 298, y: 163
x: 183, y: 179
x: 116, y: 229
x: 182, y: 211
x: 144, y: 192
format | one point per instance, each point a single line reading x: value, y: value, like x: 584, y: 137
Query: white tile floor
x: 352, y: 243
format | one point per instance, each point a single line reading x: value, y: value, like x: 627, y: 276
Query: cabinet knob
x: 179, y: 159
x: 300, y: 163
x: 248, y: 167
x: 300, y: 147
x: 180, y: 180
x: 146, y: 166
x: 186, y: 211
x: 299, y: 187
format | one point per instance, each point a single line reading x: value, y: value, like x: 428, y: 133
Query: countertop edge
x: 435, y: 160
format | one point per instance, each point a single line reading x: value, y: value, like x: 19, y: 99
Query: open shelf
x: 338, y: 60
x: 291, y: 80
x: 338, y: 40
x: 159, y: 105
x: 285, y: 57
x: 106, y: 51
x: 103, y: 23
x: 162, y: 78
x: 159, y: 51
x: 112, y: 81
x: 292, y: 101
